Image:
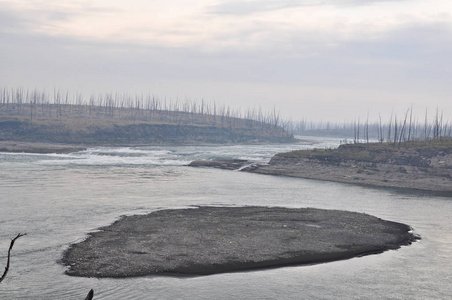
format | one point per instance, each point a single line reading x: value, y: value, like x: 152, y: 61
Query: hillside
x: 109, y: 125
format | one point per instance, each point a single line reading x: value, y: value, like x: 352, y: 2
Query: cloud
x: 10, y: 21
x: 47, y: 17
x: 184, y: 25
x: 331, y: 58
x: 248, y: 7
x: 407, y: 59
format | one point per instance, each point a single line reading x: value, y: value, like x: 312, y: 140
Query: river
x: 57, y: 199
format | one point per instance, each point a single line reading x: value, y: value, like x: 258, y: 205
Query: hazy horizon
x: 316, y: 60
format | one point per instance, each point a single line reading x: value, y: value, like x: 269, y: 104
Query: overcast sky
x: 316, y: 59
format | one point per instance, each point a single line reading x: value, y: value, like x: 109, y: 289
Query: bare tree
x: 411, y: 124
x: 380, y: 130
x: 367, y: 128
x: 402, y: 130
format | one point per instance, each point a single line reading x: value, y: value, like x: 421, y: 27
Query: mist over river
x: 58, y: 198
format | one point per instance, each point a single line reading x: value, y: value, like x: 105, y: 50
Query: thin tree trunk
x: 9, y: 255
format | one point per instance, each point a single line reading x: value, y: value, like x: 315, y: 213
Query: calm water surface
x: 58, y: 199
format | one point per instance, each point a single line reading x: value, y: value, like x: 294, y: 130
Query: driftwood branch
x: 9, y: 255
x: 90, y: 295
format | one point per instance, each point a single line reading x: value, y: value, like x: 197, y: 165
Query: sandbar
x: 209, y: 240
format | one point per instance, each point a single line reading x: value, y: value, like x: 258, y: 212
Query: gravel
x: 209, y: 240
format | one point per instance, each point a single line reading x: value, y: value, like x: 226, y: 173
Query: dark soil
x: 209, y: 240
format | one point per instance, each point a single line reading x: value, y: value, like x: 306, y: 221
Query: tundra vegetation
x: 61, y: 117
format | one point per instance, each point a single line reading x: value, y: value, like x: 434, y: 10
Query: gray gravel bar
x: 208, y: 240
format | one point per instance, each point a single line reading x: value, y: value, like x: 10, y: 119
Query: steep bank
x: 116, y: 124
x: 209, y: 240
x: 425, y: 166
x: 140, y: 133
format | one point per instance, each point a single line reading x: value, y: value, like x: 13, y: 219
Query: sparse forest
x: 128, y: 119
x: 147, y: 108
x: 397, y: 129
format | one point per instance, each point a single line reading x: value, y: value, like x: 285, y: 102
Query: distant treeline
x: 395, y: 130
x: 148, y: 108
x: 123, y: 119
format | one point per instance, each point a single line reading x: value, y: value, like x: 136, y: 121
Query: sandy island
x: 209, y: 240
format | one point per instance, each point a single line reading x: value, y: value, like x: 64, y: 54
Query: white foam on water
x: 165, y: 156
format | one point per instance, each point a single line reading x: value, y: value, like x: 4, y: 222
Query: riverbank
x: 210, y: 240
x: 40, y: 148
x: 89, y: 125
x: 415, y: 166
x: 49, y: 148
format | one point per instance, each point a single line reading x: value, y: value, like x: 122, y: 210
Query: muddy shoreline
x: 401, y: 177
x: 387, y: 176
x: 209, y: 240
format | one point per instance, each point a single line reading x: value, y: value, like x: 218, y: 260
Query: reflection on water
x: 58, y: 199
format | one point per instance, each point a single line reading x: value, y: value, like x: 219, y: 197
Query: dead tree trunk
x: 90, y: 295
x: 9, y: 255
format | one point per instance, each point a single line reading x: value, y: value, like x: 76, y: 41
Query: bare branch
x: 90, y: 295
x: 9, y: 255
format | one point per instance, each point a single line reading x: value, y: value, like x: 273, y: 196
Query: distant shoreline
x: 39, y: 148
x: 161, y: 128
